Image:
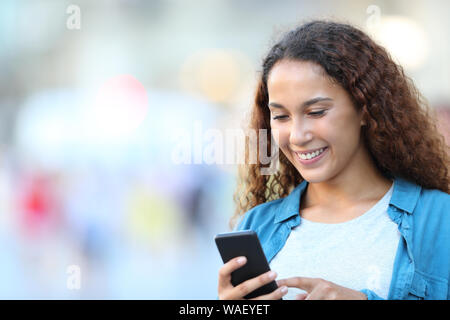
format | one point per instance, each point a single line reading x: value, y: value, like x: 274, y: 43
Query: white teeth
x: 309, y: 156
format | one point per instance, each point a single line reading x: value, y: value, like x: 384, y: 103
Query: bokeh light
x: 405, y: 39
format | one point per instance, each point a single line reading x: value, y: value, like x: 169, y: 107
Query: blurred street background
x: 95, y: 97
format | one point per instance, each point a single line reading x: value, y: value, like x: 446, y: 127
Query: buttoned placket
x: 403, y: 270
x: 286, y: 228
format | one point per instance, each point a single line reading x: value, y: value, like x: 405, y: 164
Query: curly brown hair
x: 400, y: 132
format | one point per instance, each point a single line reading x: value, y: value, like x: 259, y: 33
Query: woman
x: 359, y: 208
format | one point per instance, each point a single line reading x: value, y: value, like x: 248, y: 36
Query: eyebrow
x: 304, y: 104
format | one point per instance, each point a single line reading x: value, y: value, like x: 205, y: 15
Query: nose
x: 300, y: 134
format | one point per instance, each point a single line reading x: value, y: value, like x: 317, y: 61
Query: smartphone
x: 245, y: 243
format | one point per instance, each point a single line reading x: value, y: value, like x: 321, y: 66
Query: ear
x: 363, y: 115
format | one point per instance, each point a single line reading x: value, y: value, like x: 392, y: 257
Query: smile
x: 311, y: 157
x: 308, y: 156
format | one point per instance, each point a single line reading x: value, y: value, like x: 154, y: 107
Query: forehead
x: 292, y: 74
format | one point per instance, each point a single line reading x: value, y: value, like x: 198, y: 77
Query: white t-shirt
x: 357, y: 254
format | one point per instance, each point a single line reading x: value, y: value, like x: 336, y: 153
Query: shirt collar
x: 290, y: 206
x: 404, y: 197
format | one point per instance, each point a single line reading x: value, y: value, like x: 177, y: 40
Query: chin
x: 314, y: 177
x: 312, y: 180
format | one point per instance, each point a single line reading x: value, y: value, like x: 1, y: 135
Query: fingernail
x: 241, y: 260
x: 283, y: 289
x: 272, y: 275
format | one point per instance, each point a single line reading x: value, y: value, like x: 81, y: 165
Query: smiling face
x: 311, y: 113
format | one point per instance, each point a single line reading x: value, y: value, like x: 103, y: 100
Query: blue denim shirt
x: 422, y: 262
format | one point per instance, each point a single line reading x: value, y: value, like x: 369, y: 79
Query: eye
x: 317, y: 113
x: 279, y: 117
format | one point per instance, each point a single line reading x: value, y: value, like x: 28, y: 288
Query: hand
x: 319, y: 289
x: 228, y: 292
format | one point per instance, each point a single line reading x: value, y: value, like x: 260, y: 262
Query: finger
x: 316, y: 294
x: 251, y: 285
x: 325, y: 290
x: 301, y: 296
x: 307, y: 284
x: 274, y: 295
x: 226, y: 270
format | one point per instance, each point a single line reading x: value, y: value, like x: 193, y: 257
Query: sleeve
x: 371, y: 295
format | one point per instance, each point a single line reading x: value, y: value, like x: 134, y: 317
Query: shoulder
x: 435, y: 197
x: 432, y: 211
x: 434, y: 201
x: 265, y: 214
x: 259, y: 215
x: 422, y: 202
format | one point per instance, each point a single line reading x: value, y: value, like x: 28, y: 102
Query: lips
x: 311, y: 151
x: 314, y: 156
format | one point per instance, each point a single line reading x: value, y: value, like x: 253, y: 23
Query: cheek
x: 344, y: 135
x: 280, y: 135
